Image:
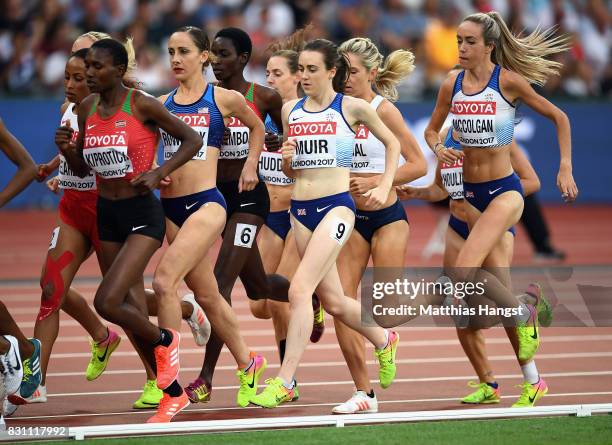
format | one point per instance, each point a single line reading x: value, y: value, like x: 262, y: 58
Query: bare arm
x: 361, y: 112
x: 517, y: 88
x: 150, y: 109
x: 232, y: 103
x: 441, y: 110
x: 523, y: 168
x: 415, y: 166
x: 18, y: 155
x: 288, y: 148
x: 432, y: 193
x: 73, y: 152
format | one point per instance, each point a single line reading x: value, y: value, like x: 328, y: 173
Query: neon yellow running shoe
x: 531, y: 394
x: 100, y: 354
x: 296, y: 393
x: 484, y: 394
x: 150, y: 397
x: 249, y: 380
x: 318, y: 326
x: 274, y: 394
x: 528, y: 336
x: 386, y: 361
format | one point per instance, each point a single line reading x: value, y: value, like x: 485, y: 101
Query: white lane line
x: 327, y: 346
x: 328, y: 364
x: 350, y: 382
x: 192, y: 408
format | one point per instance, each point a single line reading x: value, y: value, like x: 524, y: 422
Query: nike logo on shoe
x: 252, y: 384
x: 138, y: 228
x: 17, y: 365
x: 491, y: 192
x: 326, y: 207
x: 532, y: 399
x: 247, y: 204
x: 104, y: 355
x: 187, y: 207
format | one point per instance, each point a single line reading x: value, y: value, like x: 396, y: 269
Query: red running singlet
x: 119, y: 146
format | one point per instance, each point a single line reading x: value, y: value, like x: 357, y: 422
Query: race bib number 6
x: 245, y: 235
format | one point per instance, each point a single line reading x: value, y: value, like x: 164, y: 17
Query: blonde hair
x: 95, y: 36
x: 523, y: 55
x: 391, y: 71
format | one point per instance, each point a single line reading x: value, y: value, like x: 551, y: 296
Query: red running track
x: 432, y: 371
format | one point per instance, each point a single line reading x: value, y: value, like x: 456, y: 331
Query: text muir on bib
x: 315, y: 144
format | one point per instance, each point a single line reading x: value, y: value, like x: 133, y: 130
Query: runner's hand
x: 53, y: 184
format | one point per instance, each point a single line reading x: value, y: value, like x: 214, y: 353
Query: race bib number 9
x: 340, y: 230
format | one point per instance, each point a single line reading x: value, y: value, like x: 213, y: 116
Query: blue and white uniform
x: 271, y: 172
x: 206, y: 119
x: 484, y: 120
x: 324, y: 139
x: 452, y: 179
x: 369, y: 157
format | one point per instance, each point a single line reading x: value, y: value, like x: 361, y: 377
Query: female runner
x: 382, y: 234
x: 118, y: 139
x: 497, y: 71
x: 320, y: 131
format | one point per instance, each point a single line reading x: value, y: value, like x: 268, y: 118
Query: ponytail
x: 398, y: 65
x: 523, y: 55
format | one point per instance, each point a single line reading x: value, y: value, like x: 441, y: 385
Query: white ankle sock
x: 530, y: 372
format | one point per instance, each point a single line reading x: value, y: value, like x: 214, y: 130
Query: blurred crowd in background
x: 36, y: 35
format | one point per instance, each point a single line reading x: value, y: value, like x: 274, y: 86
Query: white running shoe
x: 359, y: 403
x: 8, y: 408
x: 39, y: 396
x: 11, y: 366
x: 2, y: 398
x: 199, y: 324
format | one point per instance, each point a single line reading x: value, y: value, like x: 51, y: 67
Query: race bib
x: 238, y: 143
x: 474, y: 123
x: 71, y: 181
x: 315, y: 144
x: 109, y: 161
x: 200, y: 123
x: 452, y: 179
x: 271, y: 169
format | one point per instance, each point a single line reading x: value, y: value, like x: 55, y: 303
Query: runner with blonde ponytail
x: 498, y: 69
x: 382, y: 234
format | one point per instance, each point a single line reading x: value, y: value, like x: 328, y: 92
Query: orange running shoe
x: 169, y: 407
x: 167, y: 360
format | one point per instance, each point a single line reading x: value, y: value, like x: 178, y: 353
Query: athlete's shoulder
x: 266, y: 93
x: 87, y: 103
x: 355, y: 104
x: 164, y: 97
x: 289, y: 106
x: 509, y: 78
x: 64, y: 107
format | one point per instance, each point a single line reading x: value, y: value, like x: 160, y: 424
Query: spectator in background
x: 354, y: 18
x: 400, y: 27
x: 441, y: 43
